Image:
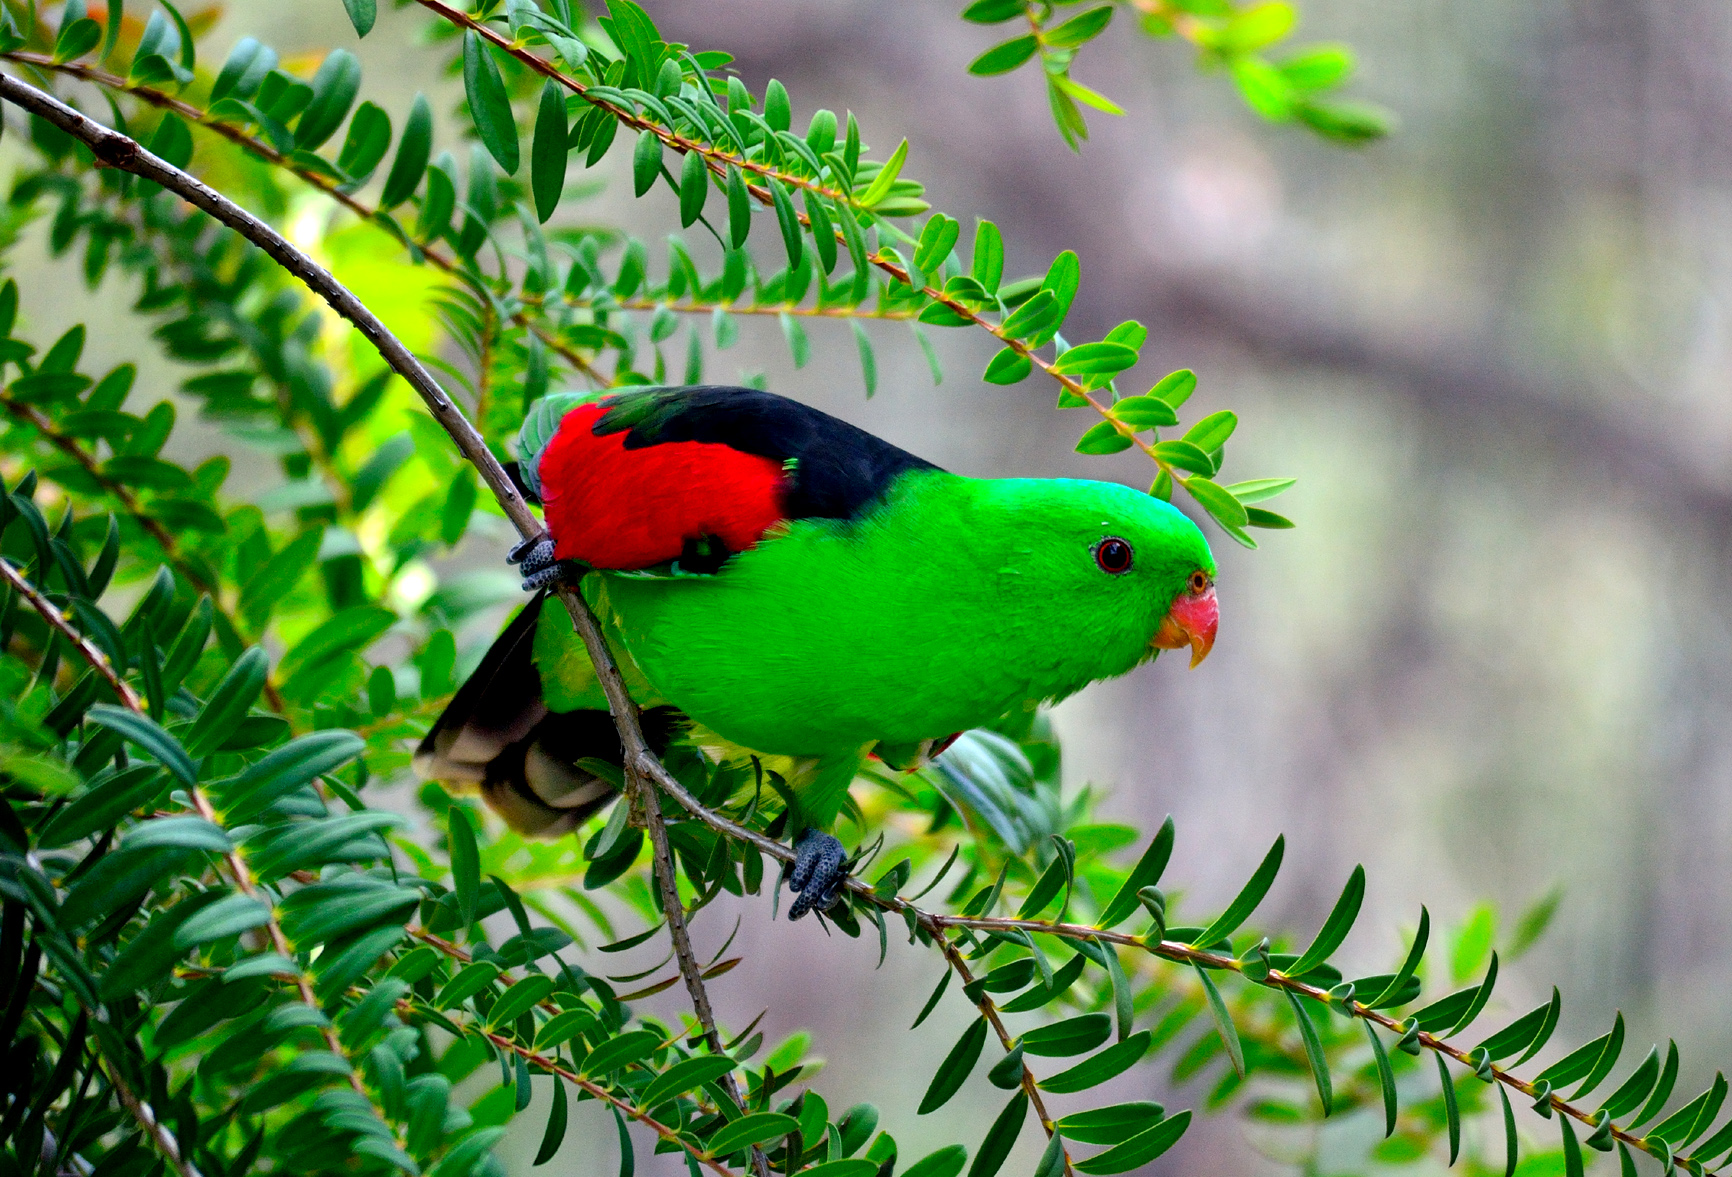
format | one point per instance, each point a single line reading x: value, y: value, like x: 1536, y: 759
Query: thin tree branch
x: 989, y: 1010
x: 51, y: 613
x: 161, y: 1137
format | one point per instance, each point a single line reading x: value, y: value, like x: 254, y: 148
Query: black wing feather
x: 837, y: 469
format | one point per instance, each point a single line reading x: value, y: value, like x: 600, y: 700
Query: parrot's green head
x: 1134, y: 566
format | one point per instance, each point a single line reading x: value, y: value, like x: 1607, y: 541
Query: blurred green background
x: 1495, y: 656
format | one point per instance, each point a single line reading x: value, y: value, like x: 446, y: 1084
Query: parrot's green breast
x: 949, y: 602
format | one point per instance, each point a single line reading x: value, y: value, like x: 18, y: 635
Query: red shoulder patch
x: 611, y: 507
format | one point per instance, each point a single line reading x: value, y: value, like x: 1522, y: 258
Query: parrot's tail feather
x: 497, y: 734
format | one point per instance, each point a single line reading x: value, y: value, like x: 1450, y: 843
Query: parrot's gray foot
x: 820, y: 870
x: 535, y: 559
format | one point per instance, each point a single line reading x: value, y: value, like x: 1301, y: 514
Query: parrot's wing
x: 646, y: 476
x: 498, y: 734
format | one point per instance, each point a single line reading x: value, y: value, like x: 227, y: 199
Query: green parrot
x: 778, y: 584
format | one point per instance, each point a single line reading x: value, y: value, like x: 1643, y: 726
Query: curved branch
x: 119, y: 151
x: 47, y: 610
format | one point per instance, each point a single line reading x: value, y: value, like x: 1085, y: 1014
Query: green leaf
x: 955, y: 1068
x: 349, y: 631
x: 465, y: 862
x: 1256, y: 490
x: 1140, y: 1149
x: 1633, y: 1090
x: 1452, y: 1113
x: 323, y: 912
x: 229, y: 703
x: 1115, y: 1060
x: 1006, y: 1074
x: 1103, y: 438
x: 1414, y: 954
x: 988, y: 267
x: 621, y: 1051
x: 868, y: 362
x: 694, y: 188
x: 335, y: 86
x: 103, y: 805
x: 548, y: 152
x: 793, y: 237
x: 1258, y: 27
x: 1223, y: 1020
x: 186, y: 833
x: 1004, y: 57
x: 1335, y: 928
x: 1009, y: 366
x: 1071, y: 1036
x: 1123, y: 997
x: 1247, y: 900
x: 1481, y: 996
x: 646, y: 162
x: 147, y: 734
x: 1529, y: 1033
x: 879, y: 189
x: 1146, y: 873
x: 1385, y: 1079
x: 1512, y: 1150
x: 284, y: 770
x: 1000, y: 1138
x: 937, y: 240
x: 932, y: 1002
x: 228, y: 916
x: 76, y: 38
x: 519, y: 999
x: 757, y: 1128
x: 1079, y: 29
x: 684, y: 1076
x: 1693, y: 1119
x: 1320, y: 67
x: 739, y: 209
x: 414, y: 149
x: 1110, y: 1125
x: 362, y: 14
x: 489, y: 104
x: 1185, y: 456
x: 471, y: 979
x: 561, y: 1028
x: 850, y: 1167
x: 365, y: 145
x: 1144, y: 412
x: 991, y: 12
x: 1095, y: 359
x: 1175, y: 387
x: 1212, y: 432
x: 945, y: 1162
x: 799, y: 348
x: 1662, y: 1089
x: 1313, y: 1052
x: 554, y: 1134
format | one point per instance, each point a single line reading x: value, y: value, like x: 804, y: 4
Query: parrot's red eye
x: 1113, y: 555
x: 1199, y: 583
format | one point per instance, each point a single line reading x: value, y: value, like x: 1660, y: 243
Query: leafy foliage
x: 218, y: 955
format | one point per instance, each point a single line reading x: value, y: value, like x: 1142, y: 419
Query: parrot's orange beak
x: 1191, y: 622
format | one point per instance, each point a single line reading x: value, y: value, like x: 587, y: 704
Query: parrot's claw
x: 820, y: 870
x: 535, y: 558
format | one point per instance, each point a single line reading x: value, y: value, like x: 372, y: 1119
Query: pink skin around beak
x: 1190, y: 622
